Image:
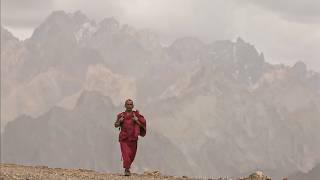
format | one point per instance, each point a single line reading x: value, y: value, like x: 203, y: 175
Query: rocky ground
x: 15, y: 172
x: 12, y: 171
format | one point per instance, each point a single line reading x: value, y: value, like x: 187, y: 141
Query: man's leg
x: 125, y: 152
x: 128, y: 151
x: 133, y: 150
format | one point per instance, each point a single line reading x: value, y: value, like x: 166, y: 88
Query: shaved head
x: 127, y: 101
x: 129, y: 105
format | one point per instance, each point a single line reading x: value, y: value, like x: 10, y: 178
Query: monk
x: 132, y: 124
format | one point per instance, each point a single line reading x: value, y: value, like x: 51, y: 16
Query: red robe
x: 128, y: 136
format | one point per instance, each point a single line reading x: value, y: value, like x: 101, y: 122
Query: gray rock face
x: 12, y: 53
x: 218, y: 108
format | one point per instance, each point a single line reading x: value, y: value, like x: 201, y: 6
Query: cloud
x: 95, y: 9
x: 26, y: 13
x: 302, y: 11
x: 206, y: 19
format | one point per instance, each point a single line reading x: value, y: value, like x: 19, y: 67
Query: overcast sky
x: 285, y: 30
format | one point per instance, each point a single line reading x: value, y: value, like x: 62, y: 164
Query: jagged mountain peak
x: 79, y: 17
x: 109, y: 22
x: 60, y: 24
x: 247, y: 52
x: 62, y: 16
x: 299, y: 67
x: 220, y: 45
x: 187, y: 49
x: 187, y: 43
x: 240, y: 40
x: 8, y: 43
x: 93, y: 98
x: 57, y: 17
x: 7, y: 35
x: 129, y: 30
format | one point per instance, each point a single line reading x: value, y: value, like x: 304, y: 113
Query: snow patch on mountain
x: 86, y: 31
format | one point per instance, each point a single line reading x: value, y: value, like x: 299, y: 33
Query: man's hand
x: 135, y: 119
x: 121, y: 119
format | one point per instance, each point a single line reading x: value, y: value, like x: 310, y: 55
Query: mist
x: 227, y: 87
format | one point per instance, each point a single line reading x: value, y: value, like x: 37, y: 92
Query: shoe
x: 127, y: 172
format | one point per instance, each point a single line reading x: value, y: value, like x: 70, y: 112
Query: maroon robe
x: 128, y: 136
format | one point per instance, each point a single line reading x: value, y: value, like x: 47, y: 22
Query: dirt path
x: 12, y: 171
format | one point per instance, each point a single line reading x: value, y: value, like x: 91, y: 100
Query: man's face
x: 129, y: 105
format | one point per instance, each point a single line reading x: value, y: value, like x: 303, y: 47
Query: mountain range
x: 213, y: 109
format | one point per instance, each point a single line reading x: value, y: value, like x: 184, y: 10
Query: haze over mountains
x: 217, y: 109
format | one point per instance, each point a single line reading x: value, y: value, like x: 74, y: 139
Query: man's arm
x: 118, y: 121
x: 135, y: 119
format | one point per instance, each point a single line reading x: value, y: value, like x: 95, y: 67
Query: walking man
x: 132, y: 124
